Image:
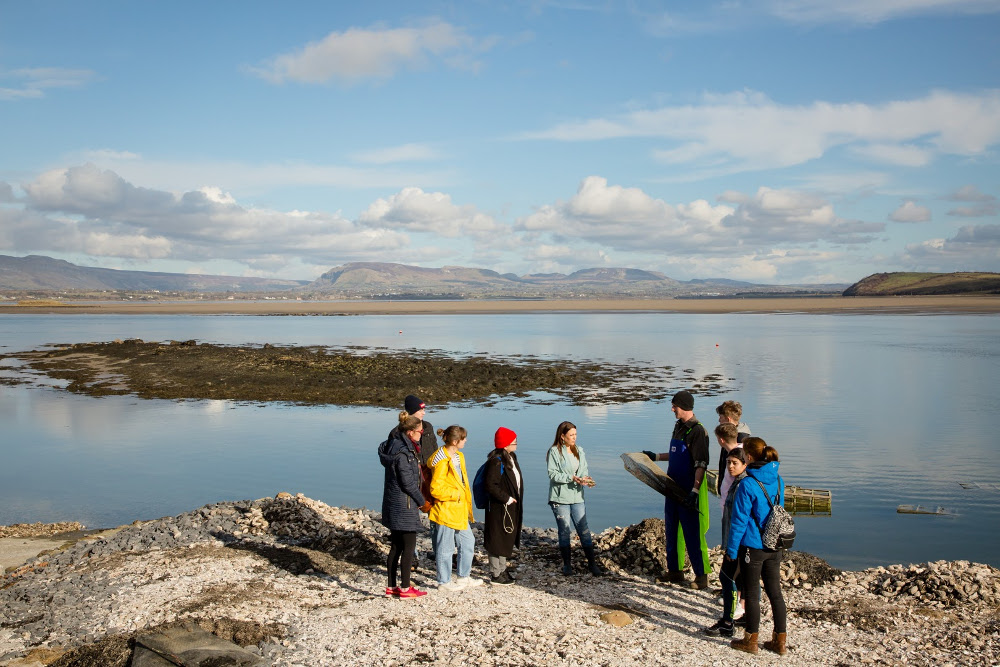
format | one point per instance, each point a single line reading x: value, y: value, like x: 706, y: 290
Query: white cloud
x: 910, y: 212
x: 746, y: 131
x: 98, y: 213
x: 970, y: 193
x: 873, y: 11
x: 404, y: 153
x: 413, y: 209
x: 973, y: 248
x: 981, y: 211
x: 378, y: 53
x: 245, y: 178
x: 33, y: 82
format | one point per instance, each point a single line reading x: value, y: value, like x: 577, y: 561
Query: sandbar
x: 948, y: 304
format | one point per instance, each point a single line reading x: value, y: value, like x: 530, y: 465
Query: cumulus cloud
x: 910, y: 212
x: 628, y: 219
x: 377, y: 53
x: 872, y: 11
x: 33, y: 82
x: 785, y: 217
x: 88, y: 210
x: 413, y: 209
x: 625, y: 218
x: 972, y: 248
x: 747, y: 130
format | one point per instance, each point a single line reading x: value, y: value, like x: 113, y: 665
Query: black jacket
x: 401, y: 497
x: 503, y: 521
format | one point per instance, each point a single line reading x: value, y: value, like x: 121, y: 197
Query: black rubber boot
x: 567, y: 569
x: 592, y: 565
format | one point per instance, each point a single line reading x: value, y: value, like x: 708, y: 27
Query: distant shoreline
x: 952, y: 304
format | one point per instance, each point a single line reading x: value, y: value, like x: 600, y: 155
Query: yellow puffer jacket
x: 452, y: 498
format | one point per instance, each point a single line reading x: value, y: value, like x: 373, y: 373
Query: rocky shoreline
x: 297, y: 582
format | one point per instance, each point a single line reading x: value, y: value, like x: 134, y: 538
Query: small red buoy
x: 400, y: 332
x: 716, y: 345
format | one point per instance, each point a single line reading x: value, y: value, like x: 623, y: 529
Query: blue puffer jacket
x: 750, y: 504
x: 401, y: 497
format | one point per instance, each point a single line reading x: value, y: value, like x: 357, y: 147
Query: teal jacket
x: 562, y: 468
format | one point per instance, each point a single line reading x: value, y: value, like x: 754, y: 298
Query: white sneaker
x: 450, y: 586
x: 469, y: 582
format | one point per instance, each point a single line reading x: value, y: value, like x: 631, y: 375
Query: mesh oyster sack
x: 778, y: 531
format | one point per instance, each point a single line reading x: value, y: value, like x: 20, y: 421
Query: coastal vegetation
x: 914, y: 284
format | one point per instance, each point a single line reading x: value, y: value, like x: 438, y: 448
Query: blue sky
x: 777, y: 141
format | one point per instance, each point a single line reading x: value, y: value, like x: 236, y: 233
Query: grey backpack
x: 778, y: 531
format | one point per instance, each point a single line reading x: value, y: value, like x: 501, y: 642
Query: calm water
x: 882, y: 410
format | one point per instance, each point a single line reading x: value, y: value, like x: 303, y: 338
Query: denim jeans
x: 445, y: 539
x: 576, y: 514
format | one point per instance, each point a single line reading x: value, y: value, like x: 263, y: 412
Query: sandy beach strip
x: 860, y: 305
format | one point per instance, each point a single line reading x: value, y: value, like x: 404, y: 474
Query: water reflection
x: 883, y: 411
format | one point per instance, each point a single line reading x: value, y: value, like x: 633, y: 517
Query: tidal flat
x: 347, y: 376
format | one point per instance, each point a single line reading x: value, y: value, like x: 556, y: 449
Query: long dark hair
x: 759, y: 451
x: 562, y: 430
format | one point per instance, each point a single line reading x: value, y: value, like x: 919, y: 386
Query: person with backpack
x: 736, y: 465
x: 568, y: 475
x: 452, y: 510
x: 401, y: 502
x: 504, y: 485
x: 759, y: 492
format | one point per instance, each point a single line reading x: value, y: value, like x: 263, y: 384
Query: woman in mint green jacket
x: 568, y: 475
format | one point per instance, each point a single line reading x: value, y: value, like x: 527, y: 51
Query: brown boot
x: 748, y: 644
x: 700, y: 582
x: 777, y: 643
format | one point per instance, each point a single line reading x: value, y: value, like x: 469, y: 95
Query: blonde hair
x: 408, y: 422
x: 731, y: 410
x: 452, y: 435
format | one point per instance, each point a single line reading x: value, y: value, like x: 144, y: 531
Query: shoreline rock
x: 304, y: 583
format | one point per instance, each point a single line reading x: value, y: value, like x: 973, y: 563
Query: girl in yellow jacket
x: 452, y: 510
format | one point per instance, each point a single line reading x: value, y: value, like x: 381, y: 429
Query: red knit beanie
x: 503, y: 437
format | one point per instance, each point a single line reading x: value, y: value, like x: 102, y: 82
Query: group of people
x: 421, y: 476
x: 748, y: 487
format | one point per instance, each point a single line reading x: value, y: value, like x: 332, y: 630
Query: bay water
x: 882, y: 410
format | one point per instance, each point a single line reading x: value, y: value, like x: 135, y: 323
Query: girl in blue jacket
x: 750, y: 512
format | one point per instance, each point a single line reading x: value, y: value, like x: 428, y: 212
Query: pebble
x: 313, y: 575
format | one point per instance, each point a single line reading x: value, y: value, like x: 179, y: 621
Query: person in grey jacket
x: 401, y: 502
x: 568, y: 476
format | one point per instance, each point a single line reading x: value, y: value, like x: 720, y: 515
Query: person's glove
x: 692, y: 501
x: 426, y: 507
x: 651, y: 455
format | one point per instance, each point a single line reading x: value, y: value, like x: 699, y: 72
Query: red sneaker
x: 411, y: 592
x: 392, y: 592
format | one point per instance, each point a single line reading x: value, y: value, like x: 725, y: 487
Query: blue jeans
x: 445, y: 539
x: 576, y: 513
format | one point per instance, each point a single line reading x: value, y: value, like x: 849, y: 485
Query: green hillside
x: 903, y: 283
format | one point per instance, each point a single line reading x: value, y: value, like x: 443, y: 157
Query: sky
x: 774, y: 141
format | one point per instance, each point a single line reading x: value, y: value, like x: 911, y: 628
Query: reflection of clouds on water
x: 213, y: 406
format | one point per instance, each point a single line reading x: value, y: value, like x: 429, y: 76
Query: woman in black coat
x: 401, y: 501
x: 504, y: 513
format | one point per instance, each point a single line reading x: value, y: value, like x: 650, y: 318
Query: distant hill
x: 388, y: 280
x: 900, y: 283
x: 45, y: 274
x: 374, y: 280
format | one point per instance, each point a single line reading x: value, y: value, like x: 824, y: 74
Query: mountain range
x: 39, y: 274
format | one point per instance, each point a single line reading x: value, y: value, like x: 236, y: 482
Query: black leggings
x: 402, y: 543
x: 766, y: 564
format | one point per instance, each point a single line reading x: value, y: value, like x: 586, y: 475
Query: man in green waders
x: 687, y: 521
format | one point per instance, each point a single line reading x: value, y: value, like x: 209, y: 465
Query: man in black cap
x: 428, y: 445
x: 686, y: 521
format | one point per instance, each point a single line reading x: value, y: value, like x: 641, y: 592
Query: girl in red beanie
x: 504, y: 513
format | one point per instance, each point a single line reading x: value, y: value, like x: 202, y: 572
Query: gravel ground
x: 301, y: 583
